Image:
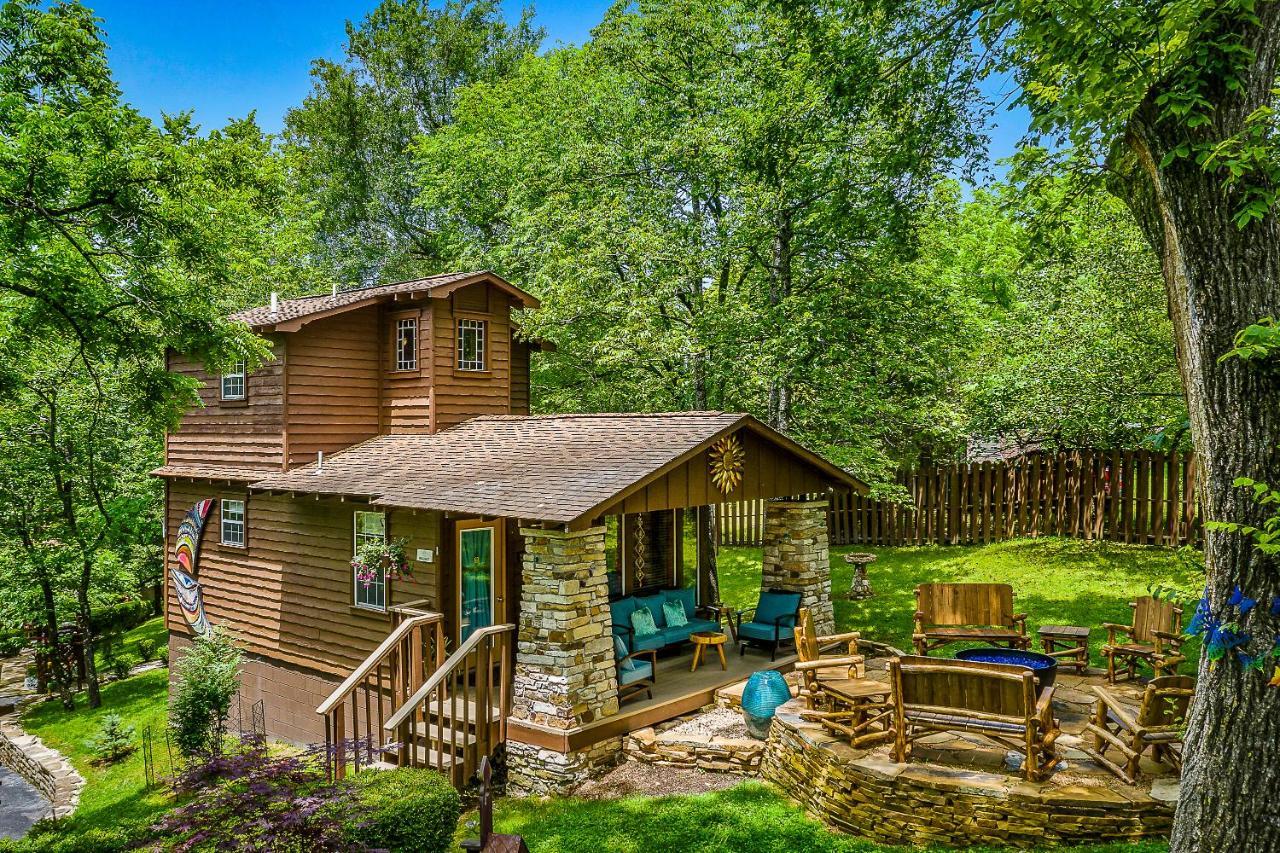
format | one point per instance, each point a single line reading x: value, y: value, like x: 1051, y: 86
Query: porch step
x: 424, y: 757
x: 471, y: 713
x: 445, y: 735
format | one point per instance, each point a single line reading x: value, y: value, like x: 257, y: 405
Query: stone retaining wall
x: 719, y: 754
x: 47, y: 770
x: 867, y: 794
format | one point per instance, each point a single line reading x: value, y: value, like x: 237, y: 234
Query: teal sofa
x: 667, y: 635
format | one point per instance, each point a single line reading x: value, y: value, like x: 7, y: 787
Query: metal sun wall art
x: 726, y: 463
x: 185, y: 585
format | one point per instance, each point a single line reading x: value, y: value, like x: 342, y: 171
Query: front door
x: 480, y: 577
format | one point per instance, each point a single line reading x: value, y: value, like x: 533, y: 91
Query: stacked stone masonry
x: 564, y: 674
x: 47, y: 770
x: 715, y: 754
x: 869, y: 795
x: 797, y: 556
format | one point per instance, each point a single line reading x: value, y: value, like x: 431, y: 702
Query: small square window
x: 407, y: 344
x: 233, y: 523
x: 370, y: 527
x: 471, y: 344
x: 233, y: 383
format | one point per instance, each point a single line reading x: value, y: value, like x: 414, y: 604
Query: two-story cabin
x: 400, y: 414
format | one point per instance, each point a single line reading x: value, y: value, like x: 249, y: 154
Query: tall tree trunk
x: 90, y: 666
x: 780, y: 278
x: 1220, y: 278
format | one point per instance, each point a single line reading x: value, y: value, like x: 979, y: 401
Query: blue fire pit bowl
x: 1044, y: 667
x: 764, y: 692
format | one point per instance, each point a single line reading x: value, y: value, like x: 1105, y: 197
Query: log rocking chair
x: 1154, y: 638
x: 1157, y: 726
x: 834, y: 690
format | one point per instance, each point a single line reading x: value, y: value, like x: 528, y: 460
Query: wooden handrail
x: 454, y: 660
x: 376, y: 657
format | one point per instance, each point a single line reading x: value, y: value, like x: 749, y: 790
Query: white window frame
x: 481, y: 330
x: 232, y: 530
x: 364, y: 597
x: 235, y: 377
x: 407, y: 360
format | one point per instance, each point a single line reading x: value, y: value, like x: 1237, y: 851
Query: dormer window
x: 407, y: 344
x: 233, y: 382
x: 471, y: 340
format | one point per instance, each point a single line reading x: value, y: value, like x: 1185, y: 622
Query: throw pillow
x: 620, y: 652
x: 642, y: 623
x: 674, y: 611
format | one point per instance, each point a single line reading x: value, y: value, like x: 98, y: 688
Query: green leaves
x: 1256, y: 342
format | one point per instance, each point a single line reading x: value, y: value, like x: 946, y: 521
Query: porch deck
x: 677, y: 691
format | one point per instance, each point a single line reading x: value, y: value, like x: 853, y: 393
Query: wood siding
x: 461, y: 394
x: 288, y: 594
x: 406, y: 394
x: 768, y: 472
x: 519, y: 378
x: 333, y: 385
x: 246, y: 433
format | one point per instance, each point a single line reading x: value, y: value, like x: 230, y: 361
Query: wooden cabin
x: 399, y: 414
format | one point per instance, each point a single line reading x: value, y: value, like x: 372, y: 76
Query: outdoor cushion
x: 673, y: 611
x: 620, y: 653
x: 654, y: 603
x: 620, y: 611
x: 686, y: 598
x: 701, y: 625
x: 654, y: 641
x: 642, y: 622
x: 642, y: 669
x: 761, y: 631
x: 775, y: 604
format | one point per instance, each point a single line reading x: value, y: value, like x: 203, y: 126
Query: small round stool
x: 702, y: 639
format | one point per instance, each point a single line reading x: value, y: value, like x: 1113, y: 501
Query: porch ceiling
x: 557, y: 468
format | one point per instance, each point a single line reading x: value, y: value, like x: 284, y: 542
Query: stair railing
x: 459, y: 714
x: 394, y: 671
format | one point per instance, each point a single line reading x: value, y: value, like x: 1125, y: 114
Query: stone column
x: 564, y: 675
x: 796, y: 556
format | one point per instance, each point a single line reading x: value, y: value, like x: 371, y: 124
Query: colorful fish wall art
x: 185, y: 585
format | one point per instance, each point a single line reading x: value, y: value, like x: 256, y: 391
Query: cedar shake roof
x: 291, y: 314
x: 558, y: 468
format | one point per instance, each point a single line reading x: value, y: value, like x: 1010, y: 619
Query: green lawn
x: 114, y: 794
x: 1055, y: 581
x: 749, y: 817
x: 127, y: 644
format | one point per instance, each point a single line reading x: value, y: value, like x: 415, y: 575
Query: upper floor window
x: 471, y: 344
x: 371, y: 584
x: 407, y: 344
x: 233, y: 523
x: 233, y: 382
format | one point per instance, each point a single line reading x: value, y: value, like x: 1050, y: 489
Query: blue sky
x: 223, y: 59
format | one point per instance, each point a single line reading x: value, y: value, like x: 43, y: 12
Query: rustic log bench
x: 967, y: 612
x: 997, y: 701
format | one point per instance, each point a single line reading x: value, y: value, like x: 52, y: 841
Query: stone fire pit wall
x: 719, y: 754
x: 867, y: 794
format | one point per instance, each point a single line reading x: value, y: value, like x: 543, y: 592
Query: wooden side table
x: 702, y: 639
x: 860, y: 711
x: 1066, y: 641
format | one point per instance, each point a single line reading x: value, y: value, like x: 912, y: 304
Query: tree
x: 348, y: 143
x: 1174, y: 106
x: 207, y: 678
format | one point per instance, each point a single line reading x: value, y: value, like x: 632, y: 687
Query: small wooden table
x: 859, y: 711
x: 702, y: 639
x: 1074, y: 642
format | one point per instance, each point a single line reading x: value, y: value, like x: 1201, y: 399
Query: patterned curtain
x: 477, y: 578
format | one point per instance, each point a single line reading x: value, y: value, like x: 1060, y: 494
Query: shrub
x: 50, y: 837
x: 120, y: 616
x: 163, y: 656
x: 404, y: 809
x: 208, y: 678
x: 11, y: 642
x: 146, y: 649
x: 119, y: 665
x: 114, y: 740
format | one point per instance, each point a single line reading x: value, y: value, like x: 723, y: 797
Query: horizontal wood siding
x: 240, y: 433
x: 519, y: 378
x: 287, y: 595
x: 334, y: 379
x: 768, y: 472
x: 459, y: 395
x: 406, y: 394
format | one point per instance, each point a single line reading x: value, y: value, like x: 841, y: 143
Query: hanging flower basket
x: 381, y: 558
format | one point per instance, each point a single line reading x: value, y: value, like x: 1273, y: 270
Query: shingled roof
x: 292, y: 313
x: 557, y: 468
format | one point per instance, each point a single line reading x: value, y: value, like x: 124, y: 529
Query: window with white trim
x: 371, y: 591
x: 407, y: 344
x: 471, y: 344
x: 233, y: 382
x: 232, y: 516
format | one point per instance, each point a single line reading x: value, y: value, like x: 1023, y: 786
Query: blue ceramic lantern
x: 764, y: 692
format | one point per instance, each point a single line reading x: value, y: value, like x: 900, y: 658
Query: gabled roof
x: 291, y: 314
x: 558, y: 468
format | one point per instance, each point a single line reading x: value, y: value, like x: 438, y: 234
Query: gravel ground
x: 722, y: 722
x: 654, y: 780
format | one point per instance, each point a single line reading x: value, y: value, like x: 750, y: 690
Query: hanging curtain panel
x: 476, y: 552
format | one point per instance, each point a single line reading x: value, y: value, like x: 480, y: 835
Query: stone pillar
x: 564, y: 675
x: 796, y: 556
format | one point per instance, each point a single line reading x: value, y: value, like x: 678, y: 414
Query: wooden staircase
x: 407, y: 704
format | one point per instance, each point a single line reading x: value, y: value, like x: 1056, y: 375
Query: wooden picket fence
x: 1136, y: 496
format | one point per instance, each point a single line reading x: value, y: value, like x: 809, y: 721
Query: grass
x: 1055, y: 581
x: 750, y: 816
x: 126, y: 645
x: 114, y: 794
